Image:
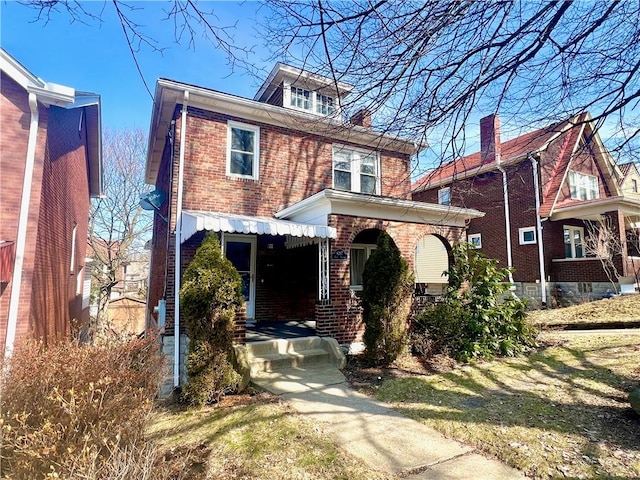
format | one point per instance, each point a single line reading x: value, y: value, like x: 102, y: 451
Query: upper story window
x: 444, y: 196
x: 300, y: 98
x: 634, y: 185
x: 243, y: 150
x: 573, y: 242
x: 356, y: 170
x: 313, y: 102
x: 583, y: 186
x: 324, y: 104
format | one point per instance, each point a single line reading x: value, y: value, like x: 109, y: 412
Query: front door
x: 241, y: 251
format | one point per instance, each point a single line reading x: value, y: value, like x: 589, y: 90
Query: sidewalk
x: 372, y: 431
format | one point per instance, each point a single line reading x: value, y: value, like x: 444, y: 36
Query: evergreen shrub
x: 209, y: 298
x: 386, y: 302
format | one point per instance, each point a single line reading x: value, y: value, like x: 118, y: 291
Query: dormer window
x: 324, y: 104
x: 314, y: 102
x: 300, y: 98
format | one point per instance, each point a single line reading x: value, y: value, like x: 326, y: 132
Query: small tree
x: 386, y: 302
x: 209, y: 297
x: 478, y: 318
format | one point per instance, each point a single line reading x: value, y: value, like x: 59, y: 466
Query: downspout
x: 21, y: 240
x: 176, y: 318
x: 507, y: 221
x: 543, y: 273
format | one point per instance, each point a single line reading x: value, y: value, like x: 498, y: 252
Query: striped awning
x: 194, y: 221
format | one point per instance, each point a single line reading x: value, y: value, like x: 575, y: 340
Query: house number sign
x: 339, y: 255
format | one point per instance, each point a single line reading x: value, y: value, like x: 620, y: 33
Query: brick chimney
x: 490, y: 138
x: 362, y: 118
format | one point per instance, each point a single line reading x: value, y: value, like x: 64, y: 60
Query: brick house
x: 554, y: 199
x: 296, y: 196
x: 50, y: 166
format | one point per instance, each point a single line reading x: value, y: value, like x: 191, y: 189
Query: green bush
x: 71, y: 410
x: 386, y: 302
x: 209, y: 298
x: 479, y: 318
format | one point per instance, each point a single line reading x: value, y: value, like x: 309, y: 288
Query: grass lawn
x: 560, y: 412
x: 250, y: 437
x: 622, y: 309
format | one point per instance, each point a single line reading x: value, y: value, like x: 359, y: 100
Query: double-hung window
x: 243, y: 150
x: 573, y: 242
x: 358, y: 257
x: 356, y: 170
x: 583, y: 186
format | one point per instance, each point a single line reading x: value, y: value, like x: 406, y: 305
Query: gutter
x: 543, y: 273
x: 178, y: 233
x: 507, y: 219
x: 21, y: 240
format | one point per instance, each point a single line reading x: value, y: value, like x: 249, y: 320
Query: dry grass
x: 625, y: 308
x: 250, y: 437
x: 560, y: 412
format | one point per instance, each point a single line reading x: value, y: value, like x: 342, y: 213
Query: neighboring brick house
x: 50, y: 166
x: 296, y: 196
x: 553, y: 190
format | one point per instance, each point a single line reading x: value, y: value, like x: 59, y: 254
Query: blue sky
x: 95, y: 57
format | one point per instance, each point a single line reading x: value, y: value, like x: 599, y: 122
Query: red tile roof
x: 529, y: 142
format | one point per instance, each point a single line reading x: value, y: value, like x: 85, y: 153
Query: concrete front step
x: 281, y: 354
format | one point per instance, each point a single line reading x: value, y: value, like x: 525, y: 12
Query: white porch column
x: 323, y: 269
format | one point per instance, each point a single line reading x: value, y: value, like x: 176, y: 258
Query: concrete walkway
x: 372, y: 431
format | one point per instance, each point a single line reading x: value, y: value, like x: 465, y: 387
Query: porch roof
x: 316, y: 208
x: 194, y: 221
x: 591, y: 209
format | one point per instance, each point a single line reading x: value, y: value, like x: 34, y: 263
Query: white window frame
x: 368, y: 248
x: 323, y: 101
x: 475, y: 240
x: 74, y: 234
x: 634, y: 185
x: 444, y: 196
x: 355, y: 160
x: 573, y: 229
x: 302, y: 94
x: 583, y: 186
x: 523, y: 231
x: 256, y: 145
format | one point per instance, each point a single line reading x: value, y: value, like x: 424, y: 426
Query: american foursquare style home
x: 296, y: 195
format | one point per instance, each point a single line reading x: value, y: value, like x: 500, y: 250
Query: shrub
x: 209, y: 297
x: 478, y: 318
x: 68, y: 409
x: 386, y: 302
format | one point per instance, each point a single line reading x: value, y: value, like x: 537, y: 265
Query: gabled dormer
x: 296, y: 89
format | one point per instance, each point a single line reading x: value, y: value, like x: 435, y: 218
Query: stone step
x: 270, y: 362
x: 281, y: 354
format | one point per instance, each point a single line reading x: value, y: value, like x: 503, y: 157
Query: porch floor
x: 260, y: 331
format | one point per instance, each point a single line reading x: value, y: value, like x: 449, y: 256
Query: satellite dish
x: 152, y: 200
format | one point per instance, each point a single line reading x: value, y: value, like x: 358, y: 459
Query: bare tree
x: 425, y: 66
x: 118, y: 227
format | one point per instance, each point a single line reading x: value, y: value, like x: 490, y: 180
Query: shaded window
x: 243, y: 150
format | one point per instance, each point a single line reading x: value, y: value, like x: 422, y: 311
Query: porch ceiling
x: 194, y: 221
x: 629, y: 205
